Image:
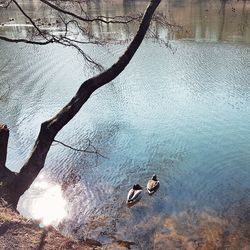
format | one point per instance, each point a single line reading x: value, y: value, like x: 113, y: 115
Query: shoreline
x: 19, y: 233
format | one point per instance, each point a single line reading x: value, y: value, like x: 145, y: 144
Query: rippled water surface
x: 183, y: 116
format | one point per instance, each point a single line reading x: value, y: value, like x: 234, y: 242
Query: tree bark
x: 4, y: 137
x: 50, y: 128
x: 6, y: 176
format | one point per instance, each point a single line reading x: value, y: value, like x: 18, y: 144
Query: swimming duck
x: 134, y: 194
x: 153, y: 184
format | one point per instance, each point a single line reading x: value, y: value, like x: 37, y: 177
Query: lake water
x: 181, y: 113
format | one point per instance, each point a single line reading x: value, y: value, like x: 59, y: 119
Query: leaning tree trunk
x: 50, y: 128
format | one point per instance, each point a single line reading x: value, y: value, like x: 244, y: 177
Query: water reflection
x: 199, y: 20
x: 48, y: 204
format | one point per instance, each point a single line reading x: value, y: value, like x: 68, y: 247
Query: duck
x: 153, y: 184
x: 134, y: 194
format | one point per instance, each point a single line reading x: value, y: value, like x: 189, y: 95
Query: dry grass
x: 18, y: 233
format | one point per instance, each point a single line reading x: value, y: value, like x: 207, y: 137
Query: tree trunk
x: 6, y: 176
x: 4, y: 137
x: 50, y: 128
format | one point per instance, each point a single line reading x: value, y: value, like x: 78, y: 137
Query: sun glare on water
x: 49, y: 206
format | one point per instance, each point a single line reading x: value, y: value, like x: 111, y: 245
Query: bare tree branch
x: 63, y: 40
x: 30, y: 19
x: 103, y: 19
x: 21, y: 40
x: 85, y: 150
x: 68, y: 41
x: 7, y: 5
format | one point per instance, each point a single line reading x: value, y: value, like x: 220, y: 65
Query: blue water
x: 183, y: 116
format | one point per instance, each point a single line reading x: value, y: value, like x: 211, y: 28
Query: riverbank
x: 17, y: 232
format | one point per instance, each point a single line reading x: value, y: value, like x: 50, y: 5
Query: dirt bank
x: 18, y: 233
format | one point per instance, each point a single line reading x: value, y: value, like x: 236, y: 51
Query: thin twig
x: 30, y: 19
x: 7, y: 5
x: 96, y: 19
x: 86, y: 150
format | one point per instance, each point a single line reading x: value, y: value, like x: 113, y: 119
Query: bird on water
x: 153, y: 184
x: 134, y: 194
